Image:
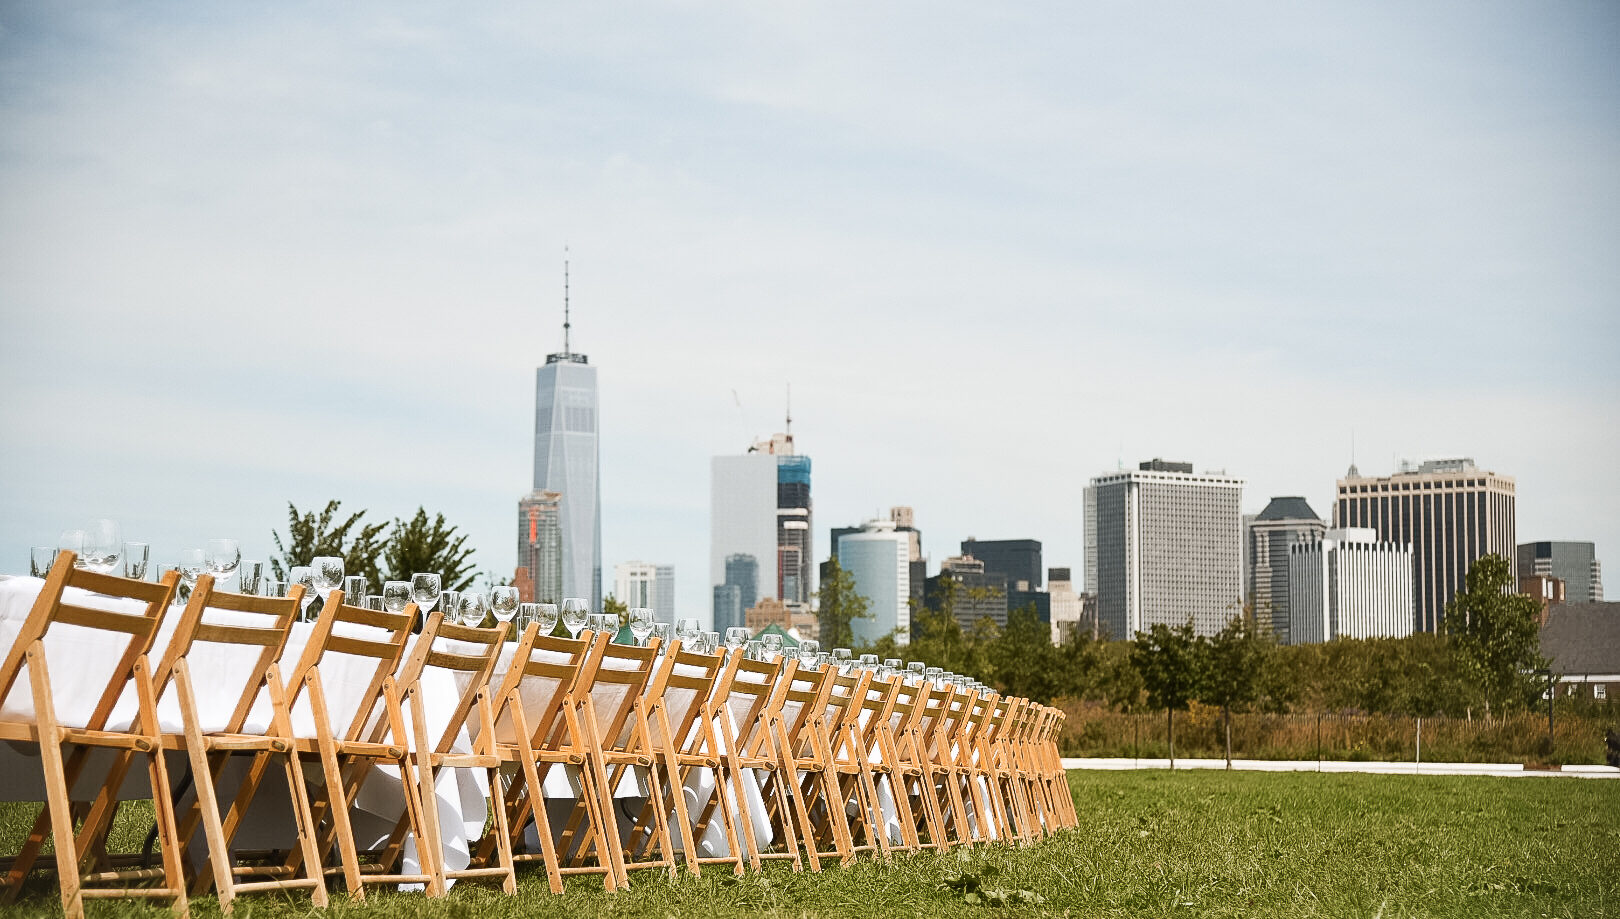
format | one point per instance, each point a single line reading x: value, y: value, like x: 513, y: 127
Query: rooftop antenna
x: 789, y: 429
x: 566, y: 324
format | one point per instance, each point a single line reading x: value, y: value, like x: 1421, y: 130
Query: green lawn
x: 1151, y: 844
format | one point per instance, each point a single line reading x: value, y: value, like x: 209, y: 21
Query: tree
x: 840, y: 605
x: 614, y: 606
x: 1237, y: 658
x: 1496, y: 635
x: 1171, y: 663
x: 1023, y: 660
x: 310, y: 535
x: 433, y: 547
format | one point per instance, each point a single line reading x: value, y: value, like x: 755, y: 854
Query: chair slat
x: 105, y: 620
x: 364, y: 647
x: 239, y: 635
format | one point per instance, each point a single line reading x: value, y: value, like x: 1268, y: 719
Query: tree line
x: 1485, y: 660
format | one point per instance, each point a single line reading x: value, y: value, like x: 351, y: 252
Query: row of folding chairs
x: 599, y: 758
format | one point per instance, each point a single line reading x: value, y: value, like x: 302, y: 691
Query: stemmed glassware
x: 137, y: 555
x: 736, y: 637
x: 473, y: 607
x: 328, y: 571
x: 193, y: 562
x: 575, y: 613
x: 103, y: 546
x: 665, y: 633
x: 223, y: 556
x: 503, y: 602
x: 807, y: 651
x: 425, y: 591
x: 840, y: 659
x: 868, y: 662
x: 914, y: 673
x: 771, y: 644
x: 305, y: 575
x: 546, y: 615
x: 396, y: 596
x: 687, y: 629
x: 641, y: 624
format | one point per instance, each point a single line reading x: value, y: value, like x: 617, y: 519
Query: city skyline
x: 304, y: 253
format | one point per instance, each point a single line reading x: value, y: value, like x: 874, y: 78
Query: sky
x: 261, y: 254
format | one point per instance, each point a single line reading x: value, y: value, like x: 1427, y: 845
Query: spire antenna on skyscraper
x: 788, y: 428
x: 567, y: 349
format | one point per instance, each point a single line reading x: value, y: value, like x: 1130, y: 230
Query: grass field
x: 1151, y: 843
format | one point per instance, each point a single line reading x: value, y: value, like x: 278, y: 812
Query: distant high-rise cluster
x: 1574, y: 563
x: 648, y: 585
x: 1268, y: 538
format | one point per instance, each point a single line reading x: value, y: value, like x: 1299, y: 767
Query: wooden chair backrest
x: 611, y: 681
x: 271, y: 622
x: 683, y: 683
x: 387, y: 649
x: 743, y: 695
x: 543, y: 673
x: 804, y: 699
x: 473, y: 660
x: 51, y: 607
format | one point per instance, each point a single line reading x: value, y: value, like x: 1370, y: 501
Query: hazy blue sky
x: 259, y: 253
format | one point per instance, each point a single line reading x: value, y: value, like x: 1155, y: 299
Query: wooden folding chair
x: 983, y: 764
x: 613, y: 711
x: 135, y: 629
x: 374, y: 735
x: 981, y: 825
x: 538, y: 726
x: 915, y: 771
x: 467, y: 655
x: 683, y: 740
x: 948, y: 707
x: 815, y: 759
x: 261, y: 623
x: 746, y: 708
x: 858, y: 762
x: 893, y: 705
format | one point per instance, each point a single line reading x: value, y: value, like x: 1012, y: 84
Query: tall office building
x: 1018, y: 560
x: 1267, y: 538
x: 760, y: 507
x: 1345, y: 583
x: 877, y: 560
x: 539, y: 577
x: 979, y: 594
x: 1574, y: 563
x: 644, y: 584
x: 1165, y: 546
x: 905, y: 521
x: 566, y: 458
x: 1449, y: 511
x: 1068, y: 609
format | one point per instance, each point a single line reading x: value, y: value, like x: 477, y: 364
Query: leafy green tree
x: 1496, y: 635
x: 1023, y: 660
x: 614, y: 606
x: 434, y: 547
x: 840, y: 605
x: 1237, y: 658
x: 1171, y: 663
x: 314, y: 534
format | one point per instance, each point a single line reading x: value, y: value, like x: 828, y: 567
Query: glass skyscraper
x: 566, y: 458
x: 760, y: 508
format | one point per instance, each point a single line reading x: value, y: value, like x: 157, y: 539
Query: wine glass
x: 305, y: 576
x: 137, y: 555
x: 753, y: 650
x: 807, y: 651
x: 473, y: 607
x: 665, y: 633
x: 771, y: 644
x: 546, y: 615
x: 103, y: 545
x: 503, y: 602
x: 736, y: 637
x: 931, y: 674
x: 840, y: 659
x: 425, y: 591
x: 193, y: 562
x: 223, y: 557
x: 40, y: 560
x: 914, y: 672
x: 641, y: 624
x: 328, y: 574
x: 575, y: 613
x: 72, y: 541
x: 396, y: 596
x: 869, y: 662
x: 248, y: 573
x: 687, y: 629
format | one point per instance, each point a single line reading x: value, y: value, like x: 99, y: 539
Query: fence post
x: 1418, y: 766
x: 1318, y: 741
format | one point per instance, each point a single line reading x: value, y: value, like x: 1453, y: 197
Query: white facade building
x: 878, y: 560
x: 1066, y: 605
x: 1348, y: 584
x: 742, y: 518
x: 644, y: 584
x: 1164, y: 545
